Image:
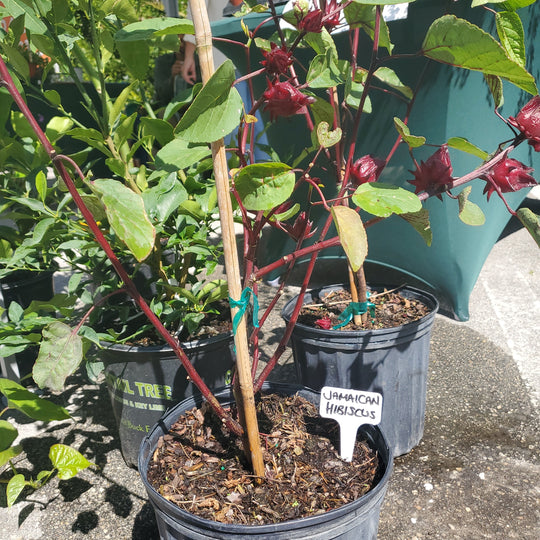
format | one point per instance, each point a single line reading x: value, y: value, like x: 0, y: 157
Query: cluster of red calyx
x: 327, y: 16
x: 366, y: 169
x: 283, y: 99
x: 331, y: 14
x: 434, y: 173
x: 301, y: 227
x: 277, y: 60
x: 528, y: 122
x: 508, y: 175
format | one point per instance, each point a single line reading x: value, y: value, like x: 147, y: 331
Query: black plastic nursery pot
x: 390, y: 361
x: 24, y: 287
x: 358, y: 520
x: 143, y: 382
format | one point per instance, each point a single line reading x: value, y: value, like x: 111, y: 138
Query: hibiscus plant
x: 304, y: 75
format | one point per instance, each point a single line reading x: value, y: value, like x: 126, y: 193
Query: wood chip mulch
x: 201, y: 468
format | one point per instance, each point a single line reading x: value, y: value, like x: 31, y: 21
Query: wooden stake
x: 357, y: 319
x: 203, y: 39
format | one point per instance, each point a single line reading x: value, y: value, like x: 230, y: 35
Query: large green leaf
x: 10, y: 453
x: 31, y: 19
x: 420, y: 222
x: 460, y: 43
x: 469, y: 212
x: 67, y: 460
x: 136, y: 57
x: 384, y: 200
x: 8, y: 433
x: 149, y: 28
x: 216, y: 110
x: 531, y: 222
x: 162, y: 200
x: 33, y: 406
x: 180, y: 154
x: 389, y: 77
x: 60, y: 354
x: 324, y: 71
x: 263, y: 186
x: 127, y: 216
x: 352, y: 235
x: 158, y: 128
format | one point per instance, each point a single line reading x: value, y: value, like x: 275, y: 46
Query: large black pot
x: 23, y: 287
x: 391, y: 361
x: 144, y: 382
x: 358, y: 520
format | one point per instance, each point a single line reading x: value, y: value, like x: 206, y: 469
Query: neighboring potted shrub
x: 263, y: 194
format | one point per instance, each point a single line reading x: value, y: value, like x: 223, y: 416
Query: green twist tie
x: 354, y: 308
x: 242, y: 305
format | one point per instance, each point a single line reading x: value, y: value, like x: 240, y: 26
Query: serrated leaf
x: 67, y: 461
x: 215, y: 111
x: 352, y: 235
x: 460, y: 43
x: 511, y: 35
x: 59, y: 356
x: 127, y: 216
x: 263, y: 186
x: 469, y: 212
x: 8, y: 433
x: 413, y: 141
x: 326, y: 137
x: 531, y: 222
x: 33, y: 406
x: 460, y: 143
x: 420, y: 222
x: 384, y: 200
x: 14, y: 489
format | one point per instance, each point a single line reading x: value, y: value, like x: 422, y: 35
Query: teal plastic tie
x: 242, y: 306
x: 354, y: 308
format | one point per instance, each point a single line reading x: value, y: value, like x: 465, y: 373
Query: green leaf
x: 161, y: 130
x: 324, y: 71
x: 215, y: 111
x: 420, y: 222
x: 150, y: 28
x: 326, y: 137
x: 120, y: 103
x: 384, y: 200
x: 31, y: 20
x: 59, y: 356
x: 67, y: 460
x: 495, y: 86
x: 469, y: 212
x: 33, y: 406
x: 15, y: 312
x: 383, y: 2
x: 288, y: 214
x: 531, y: 222
x: 180, y: 154
x: 127, y: 216
x: 352, y: 235
x: 8, y: 434
x: 57, y: 127
x: 460, y: 43
x: 41, y: 185
x: 263, y: 186
x: 413, y: 141
x: 460, y: 143
x: 361, y: 14
x: 511, y: 35
x: 14, y: 488
x: 512, y: 5
x: 162, y: 200
x: 136, y: 57
x: 389, y: 77
x: 10, y: 453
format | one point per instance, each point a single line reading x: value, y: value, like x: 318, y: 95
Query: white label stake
x: 351, y: 409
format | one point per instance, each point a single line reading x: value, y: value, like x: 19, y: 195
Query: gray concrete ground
x: 475, y: 474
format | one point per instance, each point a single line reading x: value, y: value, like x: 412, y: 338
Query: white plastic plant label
x: 351, y: 409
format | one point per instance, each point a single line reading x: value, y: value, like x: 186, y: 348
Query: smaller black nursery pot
x: 390, y: 361
x: 143, y: 382
x: 353, y: 521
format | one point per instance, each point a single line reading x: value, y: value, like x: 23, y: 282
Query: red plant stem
x: 7, y: 82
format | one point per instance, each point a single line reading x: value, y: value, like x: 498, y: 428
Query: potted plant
x: 263, y: 195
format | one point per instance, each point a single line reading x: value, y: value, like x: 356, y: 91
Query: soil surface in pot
x: 391, y: 309
x: 201, y: 468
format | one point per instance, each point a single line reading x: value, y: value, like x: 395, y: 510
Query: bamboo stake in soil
x: 203, y: 39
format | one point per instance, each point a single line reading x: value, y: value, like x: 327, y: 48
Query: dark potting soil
x: 201, y: 468
x: 391, y: 309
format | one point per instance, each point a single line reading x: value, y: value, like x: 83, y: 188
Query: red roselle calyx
x: 508, y: 175
x: 331, y: 14
x: 277, y: 60
x: 434, y: 173
x: 366, y: 169
x: 528, y: 122
x: 301, y: 227
x: 312, y: 22
x: 324, y: 324
x: 283, y: 99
